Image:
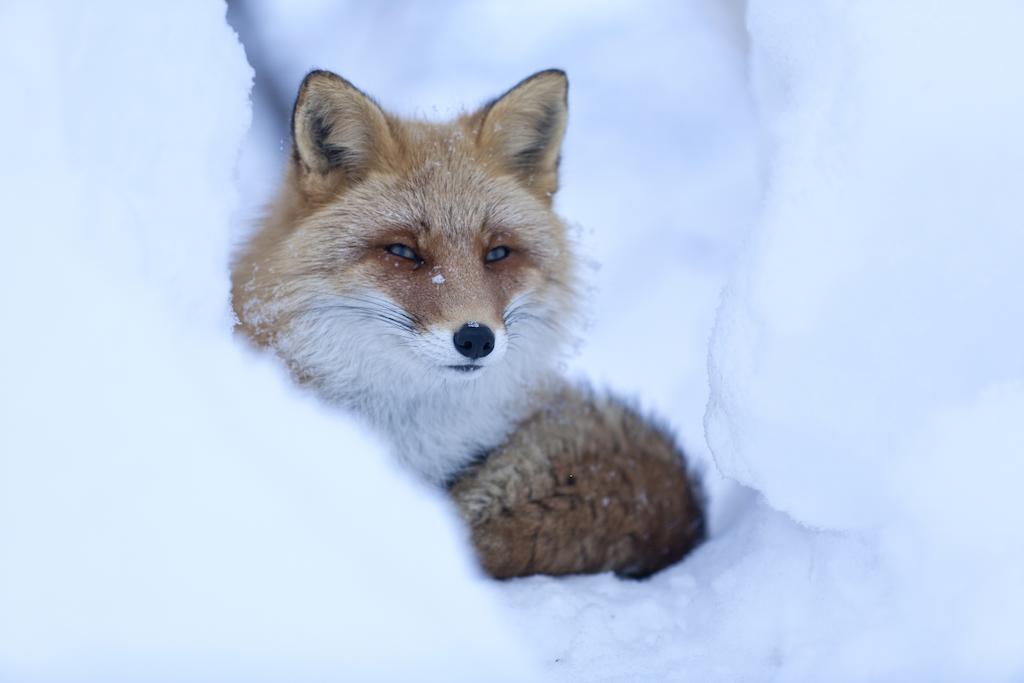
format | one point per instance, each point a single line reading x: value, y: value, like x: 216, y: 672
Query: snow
x: 172, y: 508
x: 866, y: 366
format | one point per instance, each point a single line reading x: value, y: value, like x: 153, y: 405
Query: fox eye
x: 497, y: 254
x: 402, y: 251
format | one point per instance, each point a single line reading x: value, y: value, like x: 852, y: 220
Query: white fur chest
x: 436, y: 419
x: 440, y: 430
x: 442, y: 434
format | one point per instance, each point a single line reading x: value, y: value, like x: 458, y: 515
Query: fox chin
x: 416, y: 274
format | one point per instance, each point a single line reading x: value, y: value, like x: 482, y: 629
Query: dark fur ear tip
x: 324, y: 82
x: 553, y: 76
x: 550, y: 73
x: 321, y: 78
x: 320, y: 73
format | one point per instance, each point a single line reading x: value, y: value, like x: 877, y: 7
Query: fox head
x: 412, y: 253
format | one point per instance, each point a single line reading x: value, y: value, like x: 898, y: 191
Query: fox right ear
x: 523, y: 129
x: 337, y: 131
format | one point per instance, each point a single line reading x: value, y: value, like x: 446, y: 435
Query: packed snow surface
x: 171, y: 508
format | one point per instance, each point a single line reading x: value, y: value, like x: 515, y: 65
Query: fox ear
x: 337, y: 131
x: 523, y: 129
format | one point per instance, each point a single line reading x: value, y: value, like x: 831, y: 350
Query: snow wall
x: 867, y: 368
x: 169, y: 508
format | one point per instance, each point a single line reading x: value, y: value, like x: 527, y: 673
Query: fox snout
x: 474, y: 340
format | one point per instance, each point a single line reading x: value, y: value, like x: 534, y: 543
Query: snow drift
x: 867, y: 368
x: 170, y: 508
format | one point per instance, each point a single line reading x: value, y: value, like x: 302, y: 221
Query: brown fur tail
x: 584, y: 485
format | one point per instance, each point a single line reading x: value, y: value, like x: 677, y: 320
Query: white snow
x: 171, y: 508
x: 867, y: 364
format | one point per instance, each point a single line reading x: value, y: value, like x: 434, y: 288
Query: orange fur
x: 387, y: 238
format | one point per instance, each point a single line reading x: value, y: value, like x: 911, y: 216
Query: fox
x: 416, y: 274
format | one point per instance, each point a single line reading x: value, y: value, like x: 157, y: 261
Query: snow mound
x: 883, y: 280
x: 170, y: 507
x: 867, y: 370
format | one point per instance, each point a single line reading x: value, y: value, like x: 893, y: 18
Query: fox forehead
x: 442, y: 193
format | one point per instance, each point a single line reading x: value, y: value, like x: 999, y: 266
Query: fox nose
x: 474, y: 340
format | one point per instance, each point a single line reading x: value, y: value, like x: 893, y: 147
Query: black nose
x: 474, y: 340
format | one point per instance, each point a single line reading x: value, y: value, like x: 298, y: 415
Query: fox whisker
x: 365, y: 308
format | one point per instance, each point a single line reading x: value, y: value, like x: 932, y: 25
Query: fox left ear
x: 338, y: 133
x: 523, y: 129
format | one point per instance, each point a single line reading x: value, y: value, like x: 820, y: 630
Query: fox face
x: 408, y: 263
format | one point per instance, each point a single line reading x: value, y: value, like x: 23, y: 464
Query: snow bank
x: 883, y: 280
x: 170, y: 508
x: 867, y: 368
